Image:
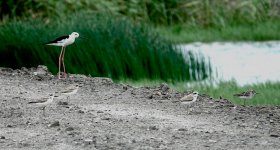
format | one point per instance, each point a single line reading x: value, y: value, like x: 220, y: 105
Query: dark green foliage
x: 160, y: 12
x: 114, y: 48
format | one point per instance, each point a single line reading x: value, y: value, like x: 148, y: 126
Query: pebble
x: 28, y: 123
x: 153, y: 128
x: 62, y: 103
x: 150, y: 96
x: 274, y: 135
x: 88, y: 141
x: 69, y: 129
x: 100, y: 111
x: 125, y: 88
x: 81, y: 111
x: 54, y: 124
x: 105, y: 118
x: 182, y: 129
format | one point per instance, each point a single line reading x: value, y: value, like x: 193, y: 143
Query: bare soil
x: 106, y: 115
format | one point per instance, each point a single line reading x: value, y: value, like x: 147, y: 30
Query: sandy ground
x: 105, y: 115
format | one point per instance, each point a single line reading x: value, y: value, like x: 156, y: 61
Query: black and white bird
x: 63, y: 41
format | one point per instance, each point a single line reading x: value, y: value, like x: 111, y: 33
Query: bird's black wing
x: 58, y: 39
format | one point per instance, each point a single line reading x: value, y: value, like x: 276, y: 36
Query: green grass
x: 261, y: 31
x: 159, y: 12
x: 115, y: 48
x: 179, y: 20
x: 269, y: 92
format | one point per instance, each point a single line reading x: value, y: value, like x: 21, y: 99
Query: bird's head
x: 195, y: 93
x: 75, y: 34
x: 253, y: 92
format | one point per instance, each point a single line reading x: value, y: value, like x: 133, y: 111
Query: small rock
x: 158, y: 93
x: 88, y: 141
x: 150, y: 96
x: 125, y: 87
x: 182, y: 129
x: 212, y: 141
x: 81, y: 111
x: 55, y: 124
x: 271, y: 121
x: 9, y: 126
x: 153, y: 128
x: 105, y: 118
x: 2, y: 137
x: 28, y: 123
x: 100, y: 111
x: 69, y: 129
x: 274, y: 135
x: 62, y: 103
x: 166, y: 96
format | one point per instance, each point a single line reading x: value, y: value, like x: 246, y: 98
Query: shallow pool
x: 244, y: 62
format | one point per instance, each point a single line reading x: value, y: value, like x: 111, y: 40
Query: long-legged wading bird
x: 246, y: 95
x: 63, y: 41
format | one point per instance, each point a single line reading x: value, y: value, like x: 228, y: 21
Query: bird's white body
x: 246, y: 96
x: 190, y: 98
x: 65, y: 40
x: 71, y: 90
x: 44, y: 101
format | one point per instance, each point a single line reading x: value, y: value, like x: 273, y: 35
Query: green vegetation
x: 269, y: 92
x: 159, y: 12
x: 243, y: 32
x: 177, y: 20
x: 114, y: 48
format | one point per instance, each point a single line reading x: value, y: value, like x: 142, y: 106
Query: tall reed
x: 115, y: 48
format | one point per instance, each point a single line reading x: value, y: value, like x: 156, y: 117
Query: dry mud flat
x: 105, y: 115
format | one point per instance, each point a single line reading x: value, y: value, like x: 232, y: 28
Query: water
x: 244, y: 62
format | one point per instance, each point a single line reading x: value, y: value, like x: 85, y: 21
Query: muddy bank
x: 105, y: 115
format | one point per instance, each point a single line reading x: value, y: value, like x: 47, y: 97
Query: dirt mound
x: 105, y: 115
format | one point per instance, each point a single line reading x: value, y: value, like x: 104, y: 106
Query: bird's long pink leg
x: 65, y: 75
x: 59, y: 62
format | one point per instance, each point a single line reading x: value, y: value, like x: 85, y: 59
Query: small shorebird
x: 63, y: 41
x: 246, y: 95
x: 42, y: 103
x: 189, y: 99
x: 70, y: 90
